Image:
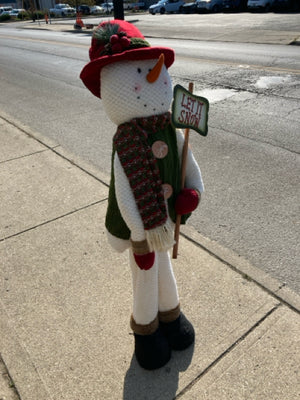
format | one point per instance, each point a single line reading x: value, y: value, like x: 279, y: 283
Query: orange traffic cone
x: 79, y: 23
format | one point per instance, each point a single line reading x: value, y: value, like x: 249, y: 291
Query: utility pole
x: 118, y: 9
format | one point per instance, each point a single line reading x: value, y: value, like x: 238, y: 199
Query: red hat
x: 118, y: 40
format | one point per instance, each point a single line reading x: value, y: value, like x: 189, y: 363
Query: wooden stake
x: 183, y: 173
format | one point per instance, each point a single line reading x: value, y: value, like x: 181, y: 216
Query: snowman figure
x: 132, y: 79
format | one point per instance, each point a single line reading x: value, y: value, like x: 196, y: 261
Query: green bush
x: 5, y: 17
x: 37, y: 14
x: 23, y: 15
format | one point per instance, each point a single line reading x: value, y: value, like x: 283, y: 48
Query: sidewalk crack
x: 53, y: 219
x: 23, y: 156
x: 225, y: 352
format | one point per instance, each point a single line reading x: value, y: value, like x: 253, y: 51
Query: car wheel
x: 215, y: 8
x: 267, y: 8
x: 181, y: 9
x: 63, y: 14
x: 162, y: 10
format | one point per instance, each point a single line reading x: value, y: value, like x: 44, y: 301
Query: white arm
x: 193, y: 179
x: 126, y: 202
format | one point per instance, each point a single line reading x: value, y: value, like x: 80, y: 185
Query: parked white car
x: 96, y: 10
x: 5, y: 10
x: 62, y: 10
x: 264, y: 5
x: 16, y: 11
x: 168, y: 6
x: 107, y: 7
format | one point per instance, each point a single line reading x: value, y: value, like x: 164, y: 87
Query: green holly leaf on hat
x: 104, y: 33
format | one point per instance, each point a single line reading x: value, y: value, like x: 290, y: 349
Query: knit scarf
x: 141, y: 169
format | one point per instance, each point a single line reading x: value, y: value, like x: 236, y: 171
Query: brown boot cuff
x: 169, y: 316
x: 144, y: 329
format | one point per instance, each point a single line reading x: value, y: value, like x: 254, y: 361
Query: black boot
x: 152, y: 351
x: 180, y: 333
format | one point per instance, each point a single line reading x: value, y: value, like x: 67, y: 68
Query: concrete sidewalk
x: 66, y: 298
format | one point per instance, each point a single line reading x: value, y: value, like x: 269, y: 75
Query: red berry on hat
x: 114, y: 39
x: 125, y: 42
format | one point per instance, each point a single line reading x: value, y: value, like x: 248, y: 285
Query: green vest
x: 169, y: 168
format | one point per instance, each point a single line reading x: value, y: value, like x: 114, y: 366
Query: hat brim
x: 90, y: 74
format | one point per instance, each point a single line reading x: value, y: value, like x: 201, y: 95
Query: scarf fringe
x: 161, y: 238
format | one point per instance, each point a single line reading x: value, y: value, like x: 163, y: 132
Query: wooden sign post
x: 189, y: 112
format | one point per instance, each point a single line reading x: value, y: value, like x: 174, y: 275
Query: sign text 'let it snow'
x: 189, y: 111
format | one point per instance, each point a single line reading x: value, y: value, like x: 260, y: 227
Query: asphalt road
x: 250, y: 158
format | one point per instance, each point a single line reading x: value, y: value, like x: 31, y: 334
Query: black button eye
x: 139, y: 70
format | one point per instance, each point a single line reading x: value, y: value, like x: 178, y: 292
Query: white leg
x: 167, y: 288
x: 145, y: 292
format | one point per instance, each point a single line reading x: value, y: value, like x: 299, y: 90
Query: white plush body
x: 127, y: 94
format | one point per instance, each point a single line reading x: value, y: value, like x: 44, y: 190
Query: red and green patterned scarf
x: 140, y: 166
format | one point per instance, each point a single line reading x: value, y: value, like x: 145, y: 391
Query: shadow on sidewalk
x: 158, y: 384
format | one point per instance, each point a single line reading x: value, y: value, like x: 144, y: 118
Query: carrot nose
x: 153, y: 75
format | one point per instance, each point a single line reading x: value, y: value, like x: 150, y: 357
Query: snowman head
x: 120, y: 62
x: 133, y: 89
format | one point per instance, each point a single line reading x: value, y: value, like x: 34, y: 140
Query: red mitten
x: 145, y: 261
x: 187, y: 201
